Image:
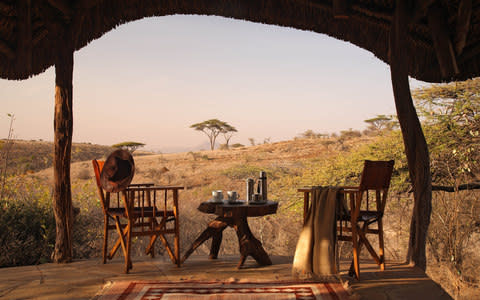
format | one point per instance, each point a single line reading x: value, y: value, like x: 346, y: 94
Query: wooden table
x: 234, y: 215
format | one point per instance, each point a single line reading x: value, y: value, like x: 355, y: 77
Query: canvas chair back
x: 376, y: 176
x: 97, y: 169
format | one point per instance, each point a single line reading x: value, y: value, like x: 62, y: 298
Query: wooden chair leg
x: 105, y: 238
x: 168, y: 247
x: 381, y: 245
x: 351, y: 271
x: 117, y: 243
x: 128, y: 262
x: 356, y: 258
x: 176, y: 239
x: 151, y: 246
x: 362, y: 236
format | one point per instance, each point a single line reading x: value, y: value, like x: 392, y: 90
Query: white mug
x: 232, y: 196
x: 217, y: 195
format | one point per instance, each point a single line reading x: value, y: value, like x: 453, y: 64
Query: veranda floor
x: 84, y: 279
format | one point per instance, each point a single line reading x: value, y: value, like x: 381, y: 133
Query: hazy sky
x: 149, y: 80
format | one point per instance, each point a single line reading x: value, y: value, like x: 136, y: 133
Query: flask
x: 263, y: 185
x: 250, y: 189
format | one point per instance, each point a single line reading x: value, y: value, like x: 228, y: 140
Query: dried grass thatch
x: 30, y: 29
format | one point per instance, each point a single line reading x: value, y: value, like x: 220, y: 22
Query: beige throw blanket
x: 315, y: 253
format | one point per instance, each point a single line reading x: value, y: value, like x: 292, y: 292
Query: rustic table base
x: 249, y: 245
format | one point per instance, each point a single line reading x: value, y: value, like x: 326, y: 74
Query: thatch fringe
x: 368, y: 27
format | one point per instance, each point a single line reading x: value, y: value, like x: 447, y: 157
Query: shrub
x: 28, y: 224
x: 237, y: 145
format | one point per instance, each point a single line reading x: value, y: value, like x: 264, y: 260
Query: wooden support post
x: 63, y: 124
x: 441, y: 41
x: 415, y: 145
x: 463, y: 24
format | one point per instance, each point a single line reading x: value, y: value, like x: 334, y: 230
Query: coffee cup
x: 232, y: 196
x: 217, y: 195
x: 257, y: 198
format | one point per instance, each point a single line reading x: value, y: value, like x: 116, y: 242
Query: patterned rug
x: 153, y: 290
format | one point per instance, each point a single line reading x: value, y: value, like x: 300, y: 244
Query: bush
x: 243, y: 171
x: 28, y: 224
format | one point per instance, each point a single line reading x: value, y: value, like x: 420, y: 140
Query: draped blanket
x: 315, y: 252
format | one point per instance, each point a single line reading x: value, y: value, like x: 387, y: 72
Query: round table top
x: 240, y: 208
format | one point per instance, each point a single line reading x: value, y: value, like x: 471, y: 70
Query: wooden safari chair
x: 139, y: 210
x: 361, y: 207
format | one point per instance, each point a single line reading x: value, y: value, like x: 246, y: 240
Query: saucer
x: 215, y: 201
x: 236, y: 202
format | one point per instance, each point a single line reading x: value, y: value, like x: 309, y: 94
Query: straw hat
x: 117, y: 172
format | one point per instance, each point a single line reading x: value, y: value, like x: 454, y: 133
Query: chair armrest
x: 154, y: 188
x: 349, y: 189
x: 141, y: 184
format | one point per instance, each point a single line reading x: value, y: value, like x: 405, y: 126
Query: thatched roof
x: 29, y: 29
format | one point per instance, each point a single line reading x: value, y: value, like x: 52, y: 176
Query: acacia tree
x: 212, y: 128
x: 228, y: 131
x: 380, y: 123
x: 129, y: 146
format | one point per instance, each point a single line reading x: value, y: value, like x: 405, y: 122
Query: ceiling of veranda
x: 30, y: 29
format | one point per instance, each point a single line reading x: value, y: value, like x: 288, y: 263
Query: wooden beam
x: 416, y: 148
x: 24, y: 36
x: 341, y: 9
x: 6, y: 50
x: 378, y: 14
x: 62, y: 6
x: 63, y: 126
x: 463, y: 24
x: 439, y: 30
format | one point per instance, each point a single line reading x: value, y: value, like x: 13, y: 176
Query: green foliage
x: 381, y: 123
x: 129, y: 146
x: 451, y: 117
x: 349, y: 134
x: 237, y: 145
x: 310, y: 134
x: 28, y: 224
x: 243, y: 171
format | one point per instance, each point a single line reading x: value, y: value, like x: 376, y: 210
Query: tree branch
x: 451, y: 189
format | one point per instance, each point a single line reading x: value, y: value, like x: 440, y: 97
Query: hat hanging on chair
x: 118, y: 171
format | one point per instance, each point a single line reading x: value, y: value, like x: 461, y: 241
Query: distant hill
x: 32, y: 156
